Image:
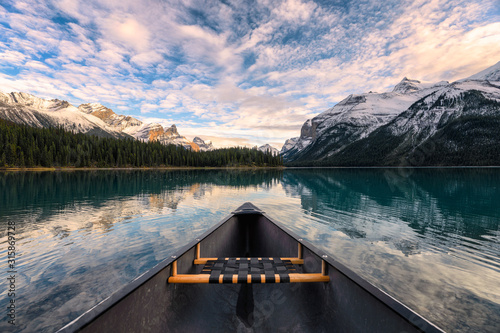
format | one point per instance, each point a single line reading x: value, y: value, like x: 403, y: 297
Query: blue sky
x: 237, y: 72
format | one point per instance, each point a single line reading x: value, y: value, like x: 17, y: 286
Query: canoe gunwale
x: 248, y: 209
x: 405, y: 312
x: 91, y: 314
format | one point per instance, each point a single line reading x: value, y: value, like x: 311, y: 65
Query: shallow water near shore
x: 428, y: 237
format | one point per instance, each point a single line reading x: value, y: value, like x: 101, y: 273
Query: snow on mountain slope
x: 357, y: 116
x: 117, y: 122
x: 204, y: 146
x: 30, y: 110
x: 491, y: 74
x: 137, y: 129
x: 171, y: 136
x: 268, y: 148
x: 155, y: 132
x: 145, y: 132
x: 289, y: 144
x: 443, y: 105
x: 453, y: 126
x: 90, y: 118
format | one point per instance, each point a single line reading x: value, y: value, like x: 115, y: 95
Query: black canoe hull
x: 346, y: 303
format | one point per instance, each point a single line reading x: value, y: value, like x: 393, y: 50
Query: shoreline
x: 57, y: 169
x: 39, y: 169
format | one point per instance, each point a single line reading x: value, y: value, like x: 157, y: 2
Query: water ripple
x: 433, y: 238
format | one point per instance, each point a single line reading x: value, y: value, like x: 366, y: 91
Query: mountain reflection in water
x: 429, y: 237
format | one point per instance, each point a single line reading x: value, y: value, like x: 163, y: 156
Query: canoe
x: 248, y: 273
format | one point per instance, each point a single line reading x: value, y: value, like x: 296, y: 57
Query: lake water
x: 428, y: 237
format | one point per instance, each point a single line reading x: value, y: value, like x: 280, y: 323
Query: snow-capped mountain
x: 457, y: 125
x: 384, y: 129
x: 166, y: 136
x: 354, y: 118
x: 23, y: 108
x: 268, y: 148
x: 90, y: 118
x: 136, y: 128
x: 204, y: 146
x: 117, y: 122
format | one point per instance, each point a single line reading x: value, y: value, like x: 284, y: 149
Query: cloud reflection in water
x: 430, y: 238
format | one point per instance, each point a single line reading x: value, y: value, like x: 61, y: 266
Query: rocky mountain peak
x: 204, y: 145
x: 25, y: 99
x: 97, y: 110
x: 406, y: 86
x: 353, y: 99
x: 172, y: 131
x: 267, y: 148
x: 117, y: 122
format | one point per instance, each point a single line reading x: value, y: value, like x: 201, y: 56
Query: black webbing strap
x: 248, y: 267
x: 284, y: 278
x: 270, y: 278
x: 214, y: 276
x: 228, y: 278
x: 243, y: 276
x: 244, y: 266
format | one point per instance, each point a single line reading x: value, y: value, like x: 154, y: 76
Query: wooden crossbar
x: 284, y: 267
x: 295, y: 261
x: 204, y: 278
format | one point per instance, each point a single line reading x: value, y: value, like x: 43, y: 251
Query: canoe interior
x: 343, y: 304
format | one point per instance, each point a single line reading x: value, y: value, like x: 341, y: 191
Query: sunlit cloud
x: 126, y: 31
x: 12, y: 58
x: 253, y: 71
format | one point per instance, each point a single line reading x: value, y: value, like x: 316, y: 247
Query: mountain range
x: 416, y: 124
x: 90, y: 118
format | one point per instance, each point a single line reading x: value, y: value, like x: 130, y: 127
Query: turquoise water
x: 428, y: 237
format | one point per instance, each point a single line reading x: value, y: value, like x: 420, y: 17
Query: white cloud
x: 146, y: 59
x: 71, y: 52
x: 109, y: 54
x: 204, y: 46
x: 295, y: 11
x: 12, y: 58
x: 73, y: 8
x: 148, y: 107
x: 171, y: 101
x: 126, y: 31
x: 156, y: 57
x: 37, y: 65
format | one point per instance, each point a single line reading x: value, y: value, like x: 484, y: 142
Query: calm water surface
x: 428, y: 237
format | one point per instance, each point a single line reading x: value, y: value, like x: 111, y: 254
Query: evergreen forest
x: 24, y: 146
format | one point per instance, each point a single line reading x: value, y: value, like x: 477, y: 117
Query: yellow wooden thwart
x: 203, y: 261
x: 204, y: 278
x: 294, y: 278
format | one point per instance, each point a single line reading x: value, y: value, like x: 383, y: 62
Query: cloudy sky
x: 237, y: 72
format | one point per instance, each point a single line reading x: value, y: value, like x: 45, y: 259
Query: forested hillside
x: 24, y: 146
